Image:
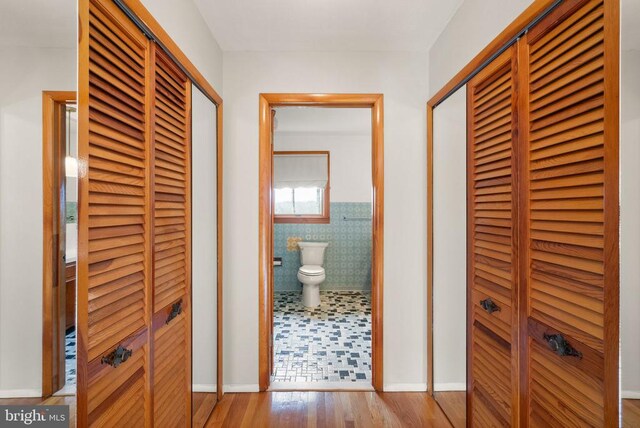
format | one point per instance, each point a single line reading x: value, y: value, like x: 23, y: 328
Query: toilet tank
x: 312, y: 253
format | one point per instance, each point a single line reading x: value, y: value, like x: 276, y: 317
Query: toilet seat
x: 311, y: 270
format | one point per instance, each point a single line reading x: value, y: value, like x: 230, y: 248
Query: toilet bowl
x: 311, y: 277
x: 311, y: 274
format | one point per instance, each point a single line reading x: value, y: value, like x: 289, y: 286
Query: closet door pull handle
x: 117, y: 356
x: 489, y: 305
x: 558, y: 344
x: 176, y: 309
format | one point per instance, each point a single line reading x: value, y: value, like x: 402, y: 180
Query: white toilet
x: 311, y: 273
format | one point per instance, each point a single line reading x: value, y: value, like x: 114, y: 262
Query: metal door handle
x: 176, y: 309
x: 558, y: 344
x: 117, y: 356
x: 489, y: 305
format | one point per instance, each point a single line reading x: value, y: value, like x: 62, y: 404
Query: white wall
x: 450, y: 243
x: 182, y: 20
x: 630, y: 227
x: 474, y: 25
x: 25, y: 73
x: 402, y: 78
x: 350, y: 149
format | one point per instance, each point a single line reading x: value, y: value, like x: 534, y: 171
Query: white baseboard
x: 631, y: 395
x: 66, y: 391
x: 405, y: 387
x: 203, y: 387
x: 449, y: 387
x: 242, y: 388
x: 320, y: 386
x: 20, y: 393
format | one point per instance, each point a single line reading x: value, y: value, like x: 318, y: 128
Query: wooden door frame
x: 53, y: 150
x: 265, y: 225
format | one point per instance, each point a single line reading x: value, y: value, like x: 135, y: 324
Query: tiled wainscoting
x: 331, y: 343
x: 348, y: 257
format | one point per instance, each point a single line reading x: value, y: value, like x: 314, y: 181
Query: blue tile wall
x: 348, y: 257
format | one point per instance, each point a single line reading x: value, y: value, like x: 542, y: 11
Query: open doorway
x: 60, y: 197
x: 321, y: 241
x: 322, y: 238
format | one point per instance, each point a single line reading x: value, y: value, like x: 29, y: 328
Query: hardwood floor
x: 630, y: 413
x: 327, y: 409
x: 324, y: 409
x: 202, y: 404
x: 454, y: 405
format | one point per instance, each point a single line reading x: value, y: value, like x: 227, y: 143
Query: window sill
x: 301, y: 220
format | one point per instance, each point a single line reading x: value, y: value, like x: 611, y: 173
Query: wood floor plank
x: 307, y: 409
x: 202, y: 404
x: 630, y: 413
x: 311, y: 409
x: 453, y: 403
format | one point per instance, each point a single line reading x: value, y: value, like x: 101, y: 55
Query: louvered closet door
x: 172, y: 244
x: 491, y: 245
x: 570, y: 174
x: 114, y: 223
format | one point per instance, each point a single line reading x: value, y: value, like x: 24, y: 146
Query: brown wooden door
x: 492, y: 243
x: 569, y: 254
x: 172, y: 243
x: 114, y: 232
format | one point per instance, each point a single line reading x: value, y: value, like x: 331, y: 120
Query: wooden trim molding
x: 53, y: 105
x: 265, y: 258
x: 612, y: 210
x: 430, y: 249
x: 219, y: 236
x: 325, y: 217
x: 265, y: 226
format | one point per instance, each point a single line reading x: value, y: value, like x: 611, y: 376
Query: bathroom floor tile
x: 331, y: 343
x: 70, y: 357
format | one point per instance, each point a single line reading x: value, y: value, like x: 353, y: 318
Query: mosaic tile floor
x: 331, y: 343
x: 70, y: 357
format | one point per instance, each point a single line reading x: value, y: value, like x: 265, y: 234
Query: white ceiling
x: 315, y: 120
x: 326, y: 25
x: 281, y: 25
x: 38, y: 23
x: 630, y: 24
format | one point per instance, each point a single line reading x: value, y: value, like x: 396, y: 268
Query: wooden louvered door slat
x: 569, y: 175
x: 172, y: 243
x: 492, y: 255
x: 114, y: 220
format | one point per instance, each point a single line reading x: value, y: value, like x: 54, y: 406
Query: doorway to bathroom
x: 321, y: 242
x: 60, y: 231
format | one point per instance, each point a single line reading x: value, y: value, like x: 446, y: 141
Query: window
x: 301, y: 187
